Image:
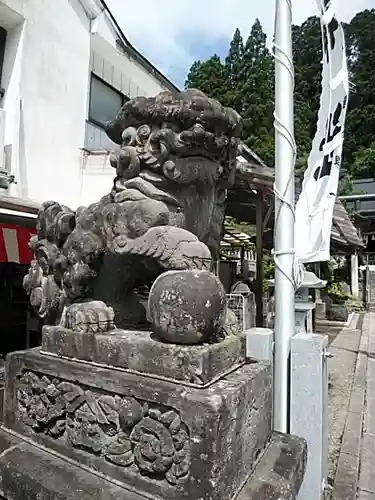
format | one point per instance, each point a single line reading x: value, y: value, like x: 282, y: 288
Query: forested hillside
x: 245, y: 81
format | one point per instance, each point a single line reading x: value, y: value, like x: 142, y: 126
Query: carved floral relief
x: 148, y: 438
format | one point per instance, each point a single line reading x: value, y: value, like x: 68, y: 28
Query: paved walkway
x: 366, y: 480
x: 355, y: 473
x: 342, y: 411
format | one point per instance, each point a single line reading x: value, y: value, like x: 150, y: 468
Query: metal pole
x: 358, y: 197
x: 259, y: 262
x: 284, y: 212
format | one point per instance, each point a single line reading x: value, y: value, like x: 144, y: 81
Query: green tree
x: 257, y: 77
x: 307, y: 53
x: 209, y: 77
x: 364, y: 162
x: 245, y: 81
x: 361, y: 111
x: 345, y: 186
x: 232, y: 96
x: 301, y: 165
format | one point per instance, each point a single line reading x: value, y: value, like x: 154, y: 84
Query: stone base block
x: 279, y: 473
x: 28, y: 472
x: 163, y: 439
x: 140, y: 351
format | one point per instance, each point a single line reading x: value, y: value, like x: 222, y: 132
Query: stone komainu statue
x: 165, y: 212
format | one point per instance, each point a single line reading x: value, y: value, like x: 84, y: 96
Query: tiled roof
x: 253, y: 174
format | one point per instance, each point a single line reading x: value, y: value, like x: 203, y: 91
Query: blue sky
x: 172, y: 35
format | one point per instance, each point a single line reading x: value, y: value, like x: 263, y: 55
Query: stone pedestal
x: 303, y: 319
x: 304, y: 306
x: 320, y: 310
x: 142, y: 352
x: 309, y: 390
x: 320, y: 306
x: 136, y: 418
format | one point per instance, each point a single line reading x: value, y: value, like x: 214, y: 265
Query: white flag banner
x: 314, y: 209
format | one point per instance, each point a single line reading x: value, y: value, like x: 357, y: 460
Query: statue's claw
x: 89, y: 317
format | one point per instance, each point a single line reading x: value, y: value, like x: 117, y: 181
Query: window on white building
x: 105, y: 102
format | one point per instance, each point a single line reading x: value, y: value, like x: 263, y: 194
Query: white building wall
x: 52, y: 48
x: 125, y: 74
x: 46, y: 97
x: 96, y: 178
x: 135, y: 80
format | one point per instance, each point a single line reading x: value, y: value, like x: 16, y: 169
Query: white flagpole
x: 284, y: 211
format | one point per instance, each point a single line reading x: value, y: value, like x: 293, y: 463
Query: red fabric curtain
x: 14, y: 243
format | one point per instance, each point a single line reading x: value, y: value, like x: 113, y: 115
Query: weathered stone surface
x: 28, y: 473
x: 176, y: 159
x: 128, y: 416
x: 187, y: 307
x: 164, y: 439
x: 142, y: 352
x: 280, y: 471
x: 320, y: 310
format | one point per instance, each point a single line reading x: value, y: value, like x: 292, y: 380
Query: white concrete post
x: 354, y: 274
x: 259, y: 344
x: 309, y: 402
x: 309, y: 391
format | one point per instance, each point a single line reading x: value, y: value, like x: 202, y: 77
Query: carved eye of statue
x: 144, y: 132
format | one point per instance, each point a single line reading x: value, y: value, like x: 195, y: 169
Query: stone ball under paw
x: 187, y: 307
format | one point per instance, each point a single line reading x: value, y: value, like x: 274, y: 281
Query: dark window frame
x: 3, y: 41
x: 123, y: 97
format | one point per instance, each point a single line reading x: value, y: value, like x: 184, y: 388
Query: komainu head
x: 185, y: 138
x: 179, y: 149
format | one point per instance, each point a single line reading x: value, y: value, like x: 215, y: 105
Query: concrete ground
x: 342, y: 377
x: 366, y: 478
x: 351, y: 473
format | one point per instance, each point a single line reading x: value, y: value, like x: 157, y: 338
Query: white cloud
x: 162, y: 29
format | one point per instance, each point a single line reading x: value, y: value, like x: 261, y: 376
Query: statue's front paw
x: 89, y: 317
x: 33, y: 278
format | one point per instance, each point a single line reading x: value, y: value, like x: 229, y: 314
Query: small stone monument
x: 304, y: 305
x: 124, y: 403
x: 320, y: 306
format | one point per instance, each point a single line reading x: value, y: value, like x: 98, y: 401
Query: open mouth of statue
x: 146, y: 187
x: 154, y: 178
